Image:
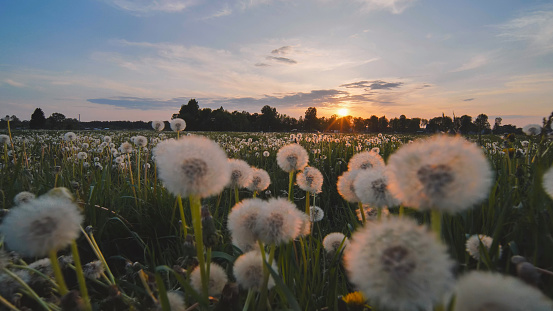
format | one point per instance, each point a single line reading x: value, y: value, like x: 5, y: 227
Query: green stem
x: 401, y: 210
x: 183, y: 219
x: 196, y: 208
x: 362, y: 211
x: 436, y: 220
x: 92, y: 241
x: 236, y: 195
x: 8, y: 304
x: 307, y: 205
x: 30, y: 291
x: 57, y: 272
x: 80, y: 276
x: 264, y: 291
x: 291, y: 175
x: 248, y: 300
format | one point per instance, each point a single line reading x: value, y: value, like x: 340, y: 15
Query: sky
x: 142, y: 60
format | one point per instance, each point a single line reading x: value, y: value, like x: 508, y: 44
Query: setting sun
x: 342, y: 112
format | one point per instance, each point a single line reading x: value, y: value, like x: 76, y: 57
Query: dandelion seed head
x: 23, y: 197
x: 292, y: 157
x: 399, y: 265
x: 279, y: 222
x: 371, y: 187
x: 260, y: 180
x: 332, y: 242
x: 193, y: 165
x: 248, y: 271
x: 141, y: 141
x: 242, y: 223
x: 532, y: 129
x: 125, y: 147
x: 548, y: 182
x: 69, y: 136
x: 241, y: 173
x: 443, y: 172
x: 473, y: 245
x: 158, y: 125
x: 310, y: 179
x: 176, y: 300
x: 346, y: 186
x: 93, y: 270
x: 4, y: 139
x: 41, y: 225
x: 478, y: 290
x: 177, y: 125
x: 82, y: 155
x: 217, y: 279
x: 316, y: 214
x: 365, y: 160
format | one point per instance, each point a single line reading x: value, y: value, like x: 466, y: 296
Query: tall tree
x: 311, y: 121
x: 38, y: 120
x: 55, y: 121
x: 482, y: 123
x: 191, y: 114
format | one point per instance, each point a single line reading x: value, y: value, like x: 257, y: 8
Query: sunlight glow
x: 342, y: 112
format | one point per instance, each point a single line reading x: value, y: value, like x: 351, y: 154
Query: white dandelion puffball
x: 316, y: 214
x: 473, y: 245
x: 241, y: 173
x: 279, y: 222
x: 141, y: 141
x: 532, y: 129
x: 399, y: 265
x: 176, y: 300
x: 248, y: 271
x: 23, y: 197
x: 260, y: 180
x: 193, y: 165
x: 493, y: 291
x: 93, y: 270
x: 310, y: 179
x: 292, y: 157
x: 125, y: 147
x: 177, y: 125
x: 217, y: 279
x: 443, y: 172
x: 345, y: 186
x: 371, y: 187
x: 365, y: 160
x: 82, y: 155
x: 4, y: 139
x: 242, y: 223
x: 69, y: 136
x: 548, y: 182
x: 332, y: 242
x: 41, y: 225
x: 158, y: 125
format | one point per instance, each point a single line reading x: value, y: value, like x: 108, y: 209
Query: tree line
x: 270, y: 120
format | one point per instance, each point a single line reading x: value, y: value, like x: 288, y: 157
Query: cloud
x: 139, y: 7
x: 282, y: 50
x: 473, y: 63
x: 468, y: 99
x: 394, y: 6
x: 14, y: 83
x: 373, y: 85
x: 282, y: 59
x: 534, y: 27
x: 140, y: 103
x: 223, y: 12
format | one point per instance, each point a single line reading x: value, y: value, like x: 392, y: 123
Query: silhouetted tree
x: 311, y: 122
x: 38, y: 120
x: 482, y: 124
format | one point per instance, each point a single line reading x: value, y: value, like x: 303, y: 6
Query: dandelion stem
x: 436, y: 220
x: 80, y: 276
x: 401, y: 210
x: 290, y: 186
x: 98, y: 252
x: 57, y: 272
x: 248, y: 300
x: 307, y: 206
x: 8, y: 304
x: 362, y: 212
x: 196, y: 208
x: 236, y: 195
x: 183, y: 219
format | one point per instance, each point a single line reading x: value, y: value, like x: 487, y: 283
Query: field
x: 141, y: 237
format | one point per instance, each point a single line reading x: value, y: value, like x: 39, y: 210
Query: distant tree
x: 55, y: 121
x: 382, y: 124
x: 269, y: 117
x: 482, y: 124
x: 414, y: 125
x: 190, y: 113
x: 497, y: 125
x: 311, y: 122
x: 466, y: 124
x: 373, y: 124
x: 360, y: 124
x: 38, y: 120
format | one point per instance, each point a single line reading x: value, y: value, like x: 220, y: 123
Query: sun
x: 342, y: 112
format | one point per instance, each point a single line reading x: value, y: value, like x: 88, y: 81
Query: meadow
x: 144, y: 230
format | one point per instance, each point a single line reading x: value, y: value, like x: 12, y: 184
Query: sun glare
x: 342, y: 112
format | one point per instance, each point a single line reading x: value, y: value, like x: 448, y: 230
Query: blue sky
x: 141, y: 60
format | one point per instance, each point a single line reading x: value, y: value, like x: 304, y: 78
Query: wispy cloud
x: 282, y: 59
x: 468, y: 99
x: 13, y: 83
x: 140, y: 103
x: 475, y: 62
x: 225, y: 11
x: 373, y: 85
x: 282, y: 50
x: 534, y: 27
x: 139, y: 7
x: 394, y: 6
